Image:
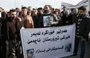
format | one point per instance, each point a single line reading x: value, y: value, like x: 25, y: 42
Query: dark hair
x: 39, y: 8
x: 72, y: 9
x: 17, y: 8
x: 24, y: 7
x: 12, y: 10
x: 82, y: 8
x: 48, y: 6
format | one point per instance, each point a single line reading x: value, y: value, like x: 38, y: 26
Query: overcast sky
x: 8, y: 4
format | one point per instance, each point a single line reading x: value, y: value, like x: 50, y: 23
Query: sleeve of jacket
x: 88, y: 25
x: 4, y: 30
x: 87, y: 28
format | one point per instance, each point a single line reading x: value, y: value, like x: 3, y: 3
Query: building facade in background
x: 85, y: 3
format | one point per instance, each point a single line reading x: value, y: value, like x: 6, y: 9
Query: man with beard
x: 48, y: 18
x: 10, y: 30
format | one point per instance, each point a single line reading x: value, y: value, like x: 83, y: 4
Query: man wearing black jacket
x: 10, y: 33
x: 82, y: 30
x: 72, y: 16
x: 2, y: 33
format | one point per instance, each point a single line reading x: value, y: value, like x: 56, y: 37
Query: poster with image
x: 52, y: 42
x: 47, y: 20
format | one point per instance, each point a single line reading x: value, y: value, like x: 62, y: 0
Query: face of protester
x: 82, y: 12
x: 13, y: 14
x: 47, y: 9
x: 17, y: 10
x: 35, y: 12
x: 8, y: 14
x: 56, y: 11
x: 29, y: 13
x: 73, y: 11
x: 29, y: 9
x: 24, y: 12
x: 40, y: 12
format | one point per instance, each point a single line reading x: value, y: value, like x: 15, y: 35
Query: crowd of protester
x: 12, y: 21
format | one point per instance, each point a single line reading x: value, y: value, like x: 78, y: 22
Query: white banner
x: 53, y: 42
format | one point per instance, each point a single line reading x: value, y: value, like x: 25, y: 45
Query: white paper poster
x: 53, y: 42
